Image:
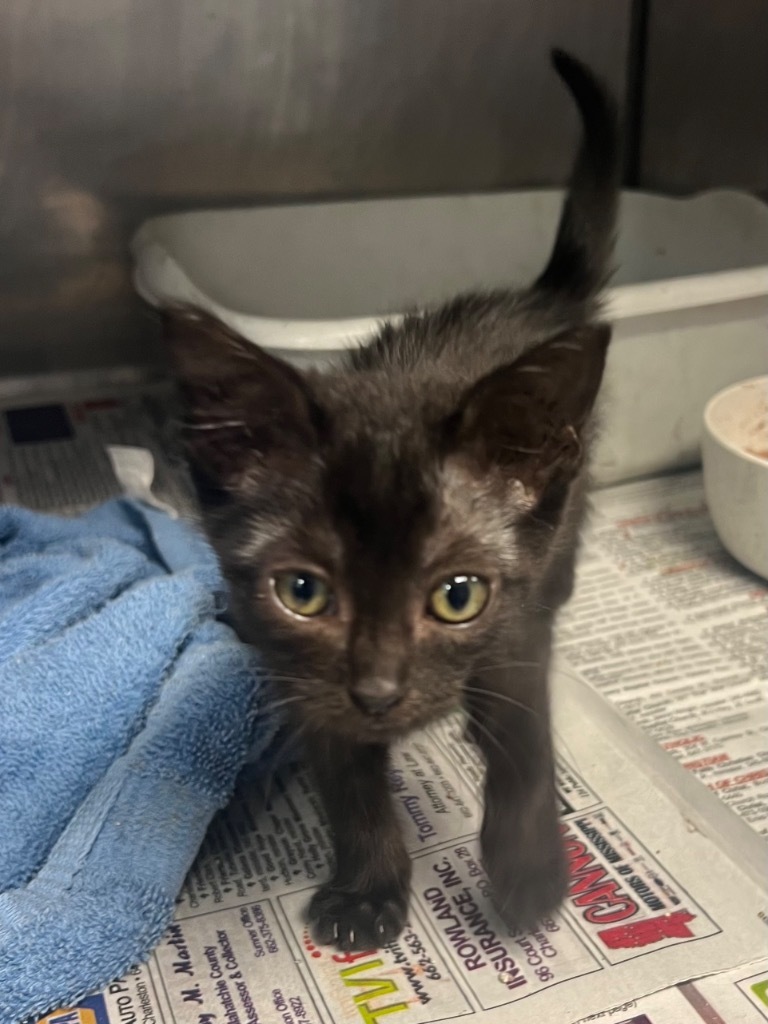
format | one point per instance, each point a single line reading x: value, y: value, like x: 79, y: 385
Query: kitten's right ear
x: 241, y: 404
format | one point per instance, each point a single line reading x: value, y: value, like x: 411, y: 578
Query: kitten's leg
x: 520, y: 839
x: 364, y: 905
x: 559, y: 579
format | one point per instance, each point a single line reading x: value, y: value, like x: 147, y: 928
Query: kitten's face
x: 377, y: 588
x: 383, y: 533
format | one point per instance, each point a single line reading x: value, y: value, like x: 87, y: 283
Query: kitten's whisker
x: 275, y: 678
x: 486, y: 732
x: 292, y: 737
x: 215, y: 425
x: 495, y: 741
x: 507, y: 664
x: 521, y: 450
x: 541, y: 522
x: 276, y: 705
x: 503, y: 697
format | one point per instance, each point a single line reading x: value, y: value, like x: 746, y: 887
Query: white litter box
x: 689, y: 302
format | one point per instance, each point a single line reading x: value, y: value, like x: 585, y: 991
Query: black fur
x: 455, y: 442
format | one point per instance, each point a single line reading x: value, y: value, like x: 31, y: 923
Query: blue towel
x: 126, y: 712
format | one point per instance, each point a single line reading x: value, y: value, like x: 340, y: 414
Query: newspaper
x: 734, y: 997
x: 659, y: 654
x: 669, y: 628
x: 54, y: 453
x: 641, y: 915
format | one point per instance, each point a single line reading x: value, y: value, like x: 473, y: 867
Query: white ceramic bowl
x: 735, y: 457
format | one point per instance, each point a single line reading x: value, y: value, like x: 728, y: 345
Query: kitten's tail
x: 580, y: 263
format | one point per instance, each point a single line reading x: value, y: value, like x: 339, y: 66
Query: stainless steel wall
x: 705, y: 113
x: 112, y: 110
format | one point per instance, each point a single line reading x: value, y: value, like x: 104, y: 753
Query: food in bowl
x: 735, y: 458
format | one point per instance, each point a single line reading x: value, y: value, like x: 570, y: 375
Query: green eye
x: 302, y: 593
x: 459, y: 599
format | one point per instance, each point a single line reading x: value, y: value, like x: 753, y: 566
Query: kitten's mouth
x: 378, y: 728
x: 387, y: 726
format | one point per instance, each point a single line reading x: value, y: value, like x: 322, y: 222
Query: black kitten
x: 399, y: 532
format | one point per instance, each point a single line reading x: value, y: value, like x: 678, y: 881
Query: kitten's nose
x: 376, y: 694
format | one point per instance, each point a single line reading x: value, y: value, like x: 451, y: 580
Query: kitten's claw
x: 353, y: 921
x: 534, y: 896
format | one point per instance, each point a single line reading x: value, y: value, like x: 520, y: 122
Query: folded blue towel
x: 126, y: 712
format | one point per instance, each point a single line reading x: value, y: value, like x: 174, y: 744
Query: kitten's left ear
x: 530, y: 416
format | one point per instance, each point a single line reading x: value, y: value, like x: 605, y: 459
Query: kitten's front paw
x: 354, y: 920
x: 528, y: 884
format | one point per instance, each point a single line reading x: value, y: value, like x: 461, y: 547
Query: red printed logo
x: 645, y: 933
